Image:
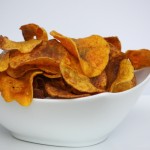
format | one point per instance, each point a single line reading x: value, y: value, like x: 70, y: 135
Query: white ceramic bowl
x: 75, y: 123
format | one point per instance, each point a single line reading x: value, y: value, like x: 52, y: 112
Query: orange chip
x: 31, y: 30
x: 114, y: 40
x: 125, y: 77
x: 100, y: 81
x: 49, y: 53
x: 52, y: 76
x: 139, y: 58
x: 66, y: 42
x: 92, y: 52
x: 73, y: 75
x: 19, y: 89
x: 57, y: 88
x: 23, y: 47
x: 20, y: 71
x: 113, y: 67
x: 4, y: 61
x: 49, y: 69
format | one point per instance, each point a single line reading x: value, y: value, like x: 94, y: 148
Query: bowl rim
x: 88, y: 98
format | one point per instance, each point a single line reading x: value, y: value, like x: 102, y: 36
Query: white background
x: 127, y: 19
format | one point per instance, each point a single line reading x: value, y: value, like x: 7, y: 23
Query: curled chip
x: 19, y: 89
x: 31, y: 30
x: 139, y: 58
x: 20, y: 71
x: 57, y: 88
x: 125, y: 77
x: 100, y: 81
x: 23, y: 47
x: 73, y: 75
x: 4, y: 61
x: 92, y: 52
x: 114, y: 40
x: 50, y: 69
x: 113, y: 67
x: 52, y: 76
x: 48, y: 53
x: 66, y: 42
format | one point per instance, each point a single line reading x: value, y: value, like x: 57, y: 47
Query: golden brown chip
x: 100, y: 81
x: 114, y: 40
x: 23, y: 47
x: 49, y: 53
x: 49, y: 69
x: 52, y: 76
x: 66, y: 42
x: 92, y: 52
x: 57, y: 88
x: 4, y: 61
x: 139, y: 58
x: 19, y: 89
x: 125, y: 77
x: 114, y: 52
x: 20, y: 71
x: 125, y: 86
x: 31, y: 30
x: 112, y: 68
x: 72, y: 74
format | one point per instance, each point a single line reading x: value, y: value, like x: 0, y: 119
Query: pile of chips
x: 65, y: 67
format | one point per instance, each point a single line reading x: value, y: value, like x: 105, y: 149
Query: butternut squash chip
x: 125, y: 77
x: 114, y: 40
x: 20, y: 71
x: 92, y: 52
x: 47, y: 54
x: 67, y: 43
x: 23, y: 47
x: 139, y: 58
x: 31, y: 30
x: 4, y: 61
x: 56, y: 88
x: 73, y: 75
x: 20, y: 89
x: 100, y: 81
x: 52, y: 76
x: 113, y: 67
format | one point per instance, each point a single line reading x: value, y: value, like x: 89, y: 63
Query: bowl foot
x: 52, y: 142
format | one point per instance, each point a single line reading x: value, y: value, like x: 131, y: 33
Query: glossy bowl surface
x: 75, y: 123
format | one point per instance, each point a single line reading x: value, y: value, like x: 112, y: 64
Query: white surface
x: 132, y: 134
